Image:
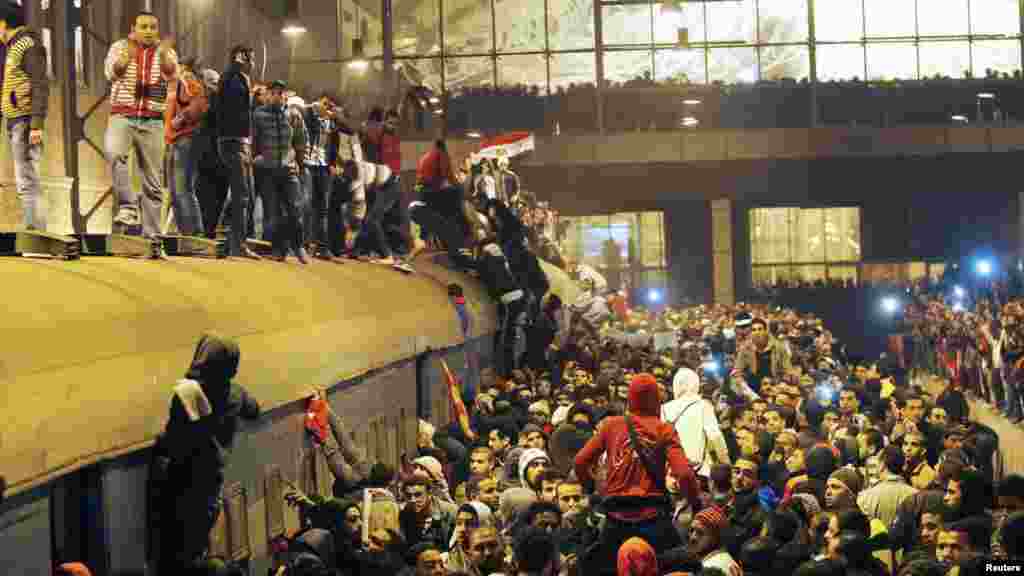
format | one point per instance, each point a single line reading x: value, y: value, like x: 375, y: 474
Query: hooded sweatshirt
x: 528, y: 456
x: 637, y: 558
x: 696, y: 423
x: 627, y: 476
x: 456, y: 560
x: 206, y: 414
x: 315, y: 552
x: 821, y: 462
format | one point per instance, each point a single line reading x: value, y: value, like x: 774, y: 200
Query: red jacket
x: 626, y: 473
x: 434, y: 169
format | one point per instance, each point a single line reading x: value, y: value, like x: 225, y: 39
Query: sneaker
x: 247, y: 252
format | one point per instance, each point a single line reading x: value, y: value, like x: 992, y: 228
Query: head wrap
x: 637, y: 558
x: 530, y: 455
x: 214, y: 363
x: 850, y: 478
x: 686, y: 384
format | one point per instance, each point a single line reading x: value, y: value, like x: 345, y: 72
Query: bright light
x: 473, y: 134
x: 435, y: 100
x: 890, y: 304
x: 654, y: 295
x: 984, y: 267
x: 958, y: 307
x: 438, y: 112
x: 959, y: 291
x: 959, y: 118
x: 359, y: 64
x: 690, y: 121
x: 691, y: 102
x: 986, y: 96
x: 711, y: 366
x: 293, y: 30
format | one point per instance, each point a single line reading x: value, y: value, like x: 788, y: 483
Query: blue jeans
x: 318, y: 185
x: 237, y: 159
x: 181, y: 181
x: 27, y: 157
x: 279, y: 188
x: 145, y: 137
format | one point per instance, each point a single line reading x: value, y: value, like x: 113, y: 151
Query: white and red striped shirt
x: 142, y: 91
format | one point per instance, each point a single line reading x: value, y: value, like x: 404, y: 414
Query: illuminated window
x: 943, y: 17
x: 732, y: 65
x: 1002, y: 56
x: 945, y: 59
x: 467, y: 27
x: 892, y: 61
x: 843, y: 20
x: 416, y: 27
x: 680, y: 66
x: 995, y: 17
x: 523, y: 69
x: 577, y: 68
x: 778, y: 62
x: 840, y: 62
x: 668, y: 19
x: 570, y: 24
x: 731, y: 21
x: 468, y: 73
x: 783, y: 20
x: 625, y: 24
x: 519, y: 25
x: 629, y: 245
x: 889, y: 18
x: 794, y: 244
x: 626, y: 66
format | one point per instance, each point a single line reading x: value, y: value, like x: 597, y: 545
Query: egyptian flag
x: 458, y: 407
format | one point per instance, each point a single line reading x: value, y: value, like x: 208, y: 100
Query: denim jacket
x: 279, y: 138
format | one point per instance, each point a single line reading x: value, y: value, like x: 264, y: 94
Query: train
x: 92, y: 348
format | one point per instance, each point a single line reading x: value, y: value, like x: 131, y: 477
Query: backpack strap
x: 658, y: 477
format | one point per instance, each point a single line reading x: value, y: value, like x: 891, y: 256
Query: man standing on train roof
x: 25, y: 90
x: 139, y: 69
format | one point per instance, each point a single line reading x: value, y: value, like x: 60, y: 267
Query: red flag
x: 458, y: 407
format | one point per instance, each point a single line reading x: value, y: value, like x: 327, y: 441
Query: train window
x: 274, y: 502
x: 236, y: 507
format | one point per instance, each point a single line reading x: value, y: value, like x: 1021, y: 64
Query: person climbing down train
x: 192, y: 453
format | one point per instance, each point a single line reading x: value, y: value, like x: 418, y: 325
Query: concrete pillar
x: 723, y: 279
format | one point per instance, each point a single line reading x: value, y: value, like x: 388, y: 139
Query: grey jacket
x: 279, y: 138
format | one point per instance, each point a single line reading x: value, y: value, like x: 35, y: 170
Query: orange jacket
x: 187, y: 97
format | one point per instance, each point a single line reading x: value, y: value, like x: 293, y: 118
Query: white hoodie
x: 696, y: 423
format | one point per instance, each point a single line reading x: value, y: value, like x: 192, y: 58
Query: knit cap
x: 850, y: 478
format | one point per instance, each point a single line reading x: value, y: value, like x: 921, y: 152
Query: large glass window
x: 783, y: 20
x: 731, y: 21
x: 416, y: 27
x: 680, y: 66
x: 626, y: 24
x: 523, y: 69
x: 627, y: 66
x: 462, y: 73
x: 669, y: 18
x: 995, y: 17
x: 892, y: 61
x: 467, y: 27
x: 628, y: 245
x: 943, y: 17
x: 840, y: 62
x: 889, y: 18
x: 570, y: 24
x: 519, y: 25
x: 574, y: 68
x: 843, y: 20
x: 732, y: 65
x: 804, y: 244
x: 778, y: 62
x: 1002, y: 56
x: 945, y: 59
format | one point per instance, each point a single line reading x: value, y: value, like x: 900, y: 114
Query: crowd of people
x: 643, y: 104
x: 749, y: 442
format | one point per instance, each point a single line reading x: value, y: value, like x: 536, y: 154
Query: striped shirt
x: 25, y: 87
x: 142, y: 91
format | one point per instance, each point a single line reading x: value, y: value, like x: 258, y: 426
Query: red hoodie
x: 626, y: 473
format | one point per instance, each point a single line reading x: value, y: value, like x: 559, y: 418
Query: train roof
x: 92, y: 348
